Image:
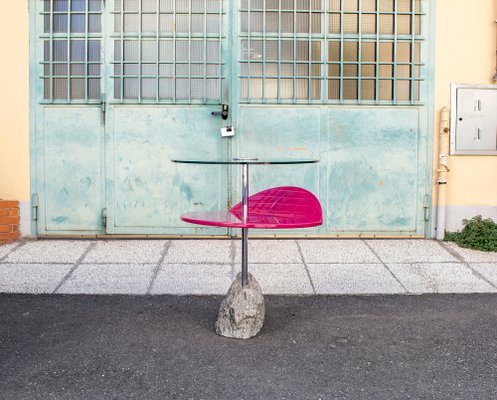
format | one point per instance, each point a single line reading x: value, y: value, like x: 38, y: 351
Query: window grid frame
x: 175, y: 37
x: 415, y: 41
x: 50, y: 37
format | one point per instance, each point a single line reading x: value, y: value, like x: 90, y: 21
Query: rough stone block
x: 241, y: 314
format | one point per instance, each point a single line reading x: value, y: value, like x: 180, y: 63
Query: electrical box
x: 473, y: 119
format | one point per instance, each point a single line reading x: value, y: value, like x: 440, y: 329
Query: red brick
x: 9, y: 220
x: 9, y: 204
x: 5, y: 228
x: 9, y: 237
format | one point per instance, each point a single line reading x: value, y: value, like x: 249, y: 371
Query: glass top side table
x: 282, y: 207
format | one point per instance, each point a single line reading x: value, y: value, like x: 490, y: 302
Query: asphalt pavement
x: 86, y: 347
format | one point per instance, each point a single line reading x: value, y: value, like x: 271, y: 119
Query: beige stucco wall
x: 465, y: 53
x: 14, y: 100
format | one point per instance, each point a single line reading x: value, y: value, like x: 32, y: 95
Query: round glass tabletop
x: 246, y: 160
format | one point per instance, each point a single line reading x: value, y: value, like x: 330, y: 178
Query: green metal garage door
x: 121, y: 87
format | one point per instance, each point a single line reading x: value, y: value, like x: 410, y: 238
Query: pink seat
x: 284, y: 207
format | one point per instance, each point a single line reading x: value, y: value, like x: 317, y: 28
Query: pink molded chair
x: 284, y: 207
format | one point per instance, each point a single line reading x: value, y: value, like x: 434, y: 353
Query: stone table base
x: 241, y: 314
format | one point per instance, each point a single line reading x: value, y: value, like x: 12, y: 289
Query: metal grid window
x: 168, y: 51
x: 331, y: 51
x: 72, y: 50
x: 281, y: 44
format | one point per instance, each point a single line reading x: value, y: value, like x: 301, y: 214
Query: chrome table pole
x: 245, y: 195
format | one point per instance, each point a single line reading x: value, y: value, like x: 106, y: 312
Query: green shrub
x: 478, y: 234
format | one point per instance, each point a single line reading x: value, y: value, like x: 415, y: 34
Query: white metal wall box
x: 474, y: 119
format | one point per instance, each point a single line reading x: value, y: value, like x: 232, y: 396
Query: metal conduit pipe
x: 442, y: 171
x: 495, y: 75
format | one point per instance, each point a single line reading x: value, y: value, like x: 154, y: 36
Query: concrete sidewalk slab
x: 126, y: 251
x: 32, y: 278
x: 353, y: 278
x: 337, y: 251
x: 270, y: 251
x: 109, y: 279
x: 286, y: 266
x: 410, y: 250
x: 199, y: 251
x: 49, y: 251
x: 472, y: 256
x: 5, y: 249
x: 181, y: 279
x: 487, y: 270
x: 282, y: 278
x: 439, y: 278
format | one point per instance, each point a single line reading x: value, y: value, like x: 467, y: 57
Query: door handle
x: 224, y: 113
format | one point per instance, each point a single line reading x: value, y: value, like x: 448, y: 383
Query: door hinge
x: 35, y: 203
x: 427, y: 207
x: 104, y: 217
